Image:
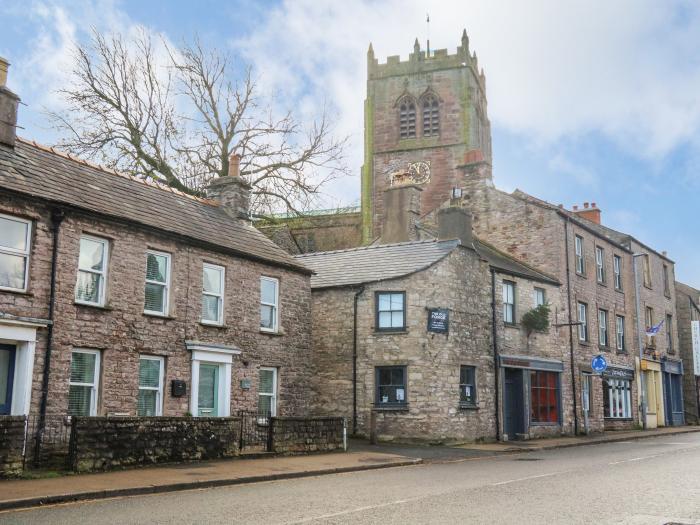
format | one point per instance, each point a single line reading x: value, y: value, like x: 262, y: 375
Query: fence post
x: 270, y: 434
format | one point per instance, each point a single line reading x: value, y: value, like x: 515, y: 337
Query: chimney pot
x: 575, y: 208
x: 4, y: 66
x: 585, y: 205
x: 234, y: 165
x: 231, y: 192
x: 593, y: 205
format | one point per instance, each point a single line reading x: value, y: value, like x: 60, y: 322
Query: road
x: 651, y: 481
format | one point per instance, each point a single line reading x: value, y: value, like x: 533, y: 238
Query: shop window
x: 544, y: 397
x: 617, y: 402
x: 391, y: 386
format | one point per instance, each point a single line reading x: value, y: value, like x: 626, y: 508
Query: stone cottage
x: 124, y: 297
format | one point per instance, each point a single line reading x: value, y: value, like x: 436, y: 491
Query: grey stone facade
x: 688, y: 310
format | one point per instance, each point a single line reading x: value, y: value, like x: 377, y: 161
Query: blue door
x: 7, y: 375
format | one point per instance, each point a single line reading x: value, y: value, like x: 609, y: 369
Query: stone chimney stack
x: 232, y: 191
x: 8, y: 108
x: 455, y: 223
x: 401, y: 211
x: 589, y: 212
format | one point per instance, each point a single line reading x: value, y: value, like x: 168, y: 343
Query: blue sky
x: 589, y: 101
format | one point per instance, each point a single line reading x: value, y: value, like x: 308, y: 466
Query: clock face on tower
x: 419, y: 172
x: 412, y: 173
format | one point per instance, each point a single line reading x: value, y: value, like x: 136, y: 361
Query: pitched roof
x: 44, y: 173
x: 374, y: 263
x: 390, y: 261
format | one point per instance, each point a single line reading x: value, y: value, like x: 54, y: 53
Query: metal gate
x: 256, y: 431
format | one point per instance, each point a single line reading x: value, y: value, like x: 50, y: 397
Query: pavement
x: 15, y: 494
x: 653, y: 481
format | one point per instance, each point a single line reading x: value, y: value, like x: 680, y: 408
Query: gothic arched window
x: 431, y: 115
x: 407, y: 118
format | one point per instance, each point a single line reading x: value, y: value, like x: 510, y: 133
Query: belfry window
x: 407, y: 118
x: 431, y: 116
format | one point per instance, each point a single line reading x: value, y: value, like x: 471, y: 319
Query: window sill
x: 602, y: 283
x: 516, y: 326
x: 158, y: 316
x: 584, y: 343
x: 468, y: 406
x: 582, y: 275
x: 16, y: 291
x: 272, y: 333
x: 619, y: 290
x: 96, y: 306
x: 212, y: 325
x: 391, y: 408
x: 390, y: 332
x: 647, y: 286
x: 621, y: 352
x: 605, y: 349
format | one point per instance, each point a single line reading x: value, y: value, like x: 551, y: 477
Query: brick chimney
x: 8, y: 108
x: 455, y: 223
x: 232, y: 191
x: 589, y: 212
x: 401, y: 211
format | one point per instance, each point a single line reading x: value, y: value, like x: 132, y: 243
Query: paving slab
x: 24, y: 493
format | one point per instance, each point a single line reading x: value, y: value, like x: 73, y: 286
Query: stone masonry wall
x: 121, y: 331
x: 102, y: 443
x: 11, y: 445
x: 687, y: 312
x: 303, y: 435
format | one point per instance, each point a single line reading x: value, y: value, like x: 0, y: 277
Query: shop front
x: 673, y: 391
x: 617, y: 397
x: 653, y: 386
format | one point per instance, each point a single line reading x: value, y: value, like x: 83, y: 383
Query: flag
x: 652, y: 331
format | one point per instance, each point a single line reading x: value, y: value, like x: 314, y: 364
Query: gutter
x: 495, y: 353
x: 571, y: 326
x: 354, y: 359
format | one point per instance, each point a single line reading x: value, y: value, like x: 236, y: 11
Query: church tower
x: 425, y: 119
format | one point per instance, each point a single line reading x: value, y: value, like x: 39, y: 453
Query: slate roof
x: 390, y: 261
x: 44, y: 173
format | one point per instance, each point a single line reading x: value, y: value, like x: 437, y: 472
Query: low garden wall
x: 11, y: 445
x: 105, y: 443
x: 291, y: 435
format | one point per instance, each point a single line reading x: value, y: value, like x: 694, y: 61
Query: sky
x: 591, y: 101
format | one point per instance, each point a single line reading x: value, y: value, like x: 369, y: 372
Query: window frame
x: 617, y: 272
x: 103, y: 274
x: 620, y: 336
x: 600, y: 264
x: 612, y: 389
x: 275, y: 306
x: 543, y: 291
x: 506, y: 284
x: 667, y: 286
x: 95, y: 385
x: 160, y: 389
x: 273, y: 394
x: 432, y: 110
x: 580, y: 255
x: 403, y: 326
x: 669, y: 334
x: 220, y: 296
x: 377, y: 387
x: 557, y: 391
x: 603, y: 328
x: 19, y: 253
x: 475, y: 396
x: 646, y: 270
x: 166, y: 284
x: 583, y: 329
x: 405, y: 118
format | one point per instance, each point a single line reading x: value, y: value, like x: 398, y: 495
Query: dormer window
x: 431, y: 116
x: 407, y: 118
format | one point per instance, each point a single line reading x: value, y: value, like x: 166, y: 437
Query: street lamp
x: 642, y: 386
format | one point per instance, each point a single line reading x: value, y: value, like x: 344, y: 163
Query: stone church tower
x: 425, y: 119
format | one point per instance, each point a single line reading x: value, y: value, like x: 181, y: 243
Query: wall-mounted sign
x: 599, y: 364
x: 245, y: 384
x: 618, y: 373
x: 695, y: 329
x: 438, y: 320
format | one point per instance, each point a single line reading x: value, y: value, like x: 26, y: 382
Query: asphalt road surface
x: 651, y: 481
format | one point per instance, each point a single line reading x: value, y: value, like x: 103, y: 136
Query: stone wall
x: 688, y: 310
x: 292, y: 435
x: 103, y: 443
x: 11, y: 445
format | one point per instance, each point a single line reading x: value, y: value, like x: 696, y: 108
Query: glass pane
x: 384, y: 319
x: 385, y: 376
x: 397, y: 376
x: 82, y: 367
x: 210, y: 308
x: 384, y: 302
x: 4, y: 375
x: 266, y: 381
x: 396, y: 319
x: 267, y: 316
x: 212, y: 280
x: 91, y: 255
x: 79, y: 400
x: 88, y: 287
x: 155, y: 297
x: 268, y: 291
x: 12, y: 270
x: 397, y: 301
x: 149, y: 373
x: 156, y: 268
x: 13, y: 234
x: 206, y: 399
x: 147, y: 402
x: 264, y: 405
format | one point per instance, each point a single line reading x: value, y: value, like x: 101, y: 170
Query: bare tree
x: 176, y: 115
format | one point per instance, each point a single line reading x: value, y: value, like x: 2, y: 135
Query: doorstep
x: 22, y: 493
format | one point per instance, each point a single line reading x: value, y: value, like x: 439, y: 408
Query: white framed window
x: 600, y: 264
x: 540, y: 297
x: 508, y: 302
x: 213, y: 279
x: 620, y: 332
x: 267, y: 392
x: 92, y: 270
x: 269, y: 304
x: 617, y: 398
x: 617, y: 270
x: 157, y: 283
x: 583, y: 320
x: 580, y: 258
x: 390, y: 311
x: 603, y: 327
x: 84, y: 382
x: 15, y: 240
x: 151, y: 371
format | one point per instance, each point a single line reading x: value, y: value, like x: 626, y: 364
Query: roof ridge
x: 373, y: 246
x: 147, y: 182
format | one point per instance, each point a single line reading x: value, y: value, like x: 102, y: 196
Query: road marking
x: 359, y: 509
x: 635, y: 459
x: 524, y: 479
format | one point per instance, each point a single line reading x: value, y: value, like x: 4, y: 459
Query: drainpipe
x: 57, y: 216
x: 354, y: 359
x: 497, y: 369
x: 640, y: 343
x: 571, y: 325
